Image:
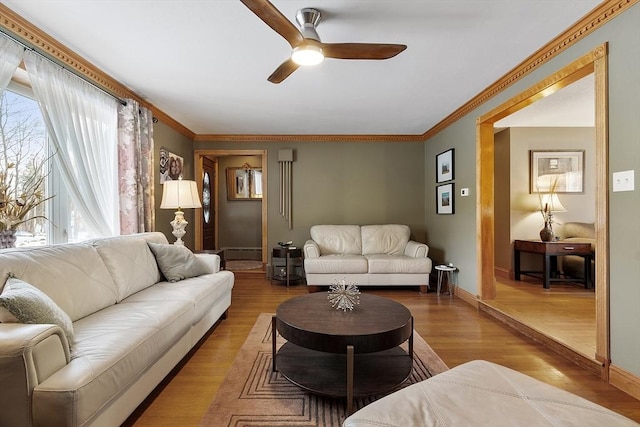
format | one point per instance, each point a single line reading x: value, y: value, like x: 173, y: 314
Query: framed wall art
x: 445, y: 199
x: 244, y: 183
x: 444, y: 166
x: 562, y: 171
x: 171, y: 166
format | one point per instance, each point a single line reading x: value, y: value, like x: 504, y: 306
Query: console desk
x: 550, y: 251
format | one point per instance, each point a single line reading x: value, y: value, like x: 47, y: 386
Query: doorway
x: 594, y: 62
x: 208, y: 233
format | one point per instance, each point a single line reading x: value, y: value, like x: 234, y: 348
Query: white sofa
x: 369, y: 255
x: 130, y: 326
x: 481, y: 393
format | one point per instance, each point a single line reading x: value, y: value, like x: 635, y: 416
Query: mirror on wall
x: 244, y: 183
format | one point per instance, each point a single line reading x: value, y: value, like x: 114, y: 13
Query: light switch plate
x: 623, y: 181
x: 464, y: 192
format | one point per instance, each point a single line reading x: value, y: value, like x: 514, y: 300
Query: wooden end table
x: 343, y: 354
x: 287, y: 254
x: 550, y: 251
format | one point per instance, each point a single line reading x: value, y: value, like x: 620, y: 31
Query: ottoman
x: 481, y: 393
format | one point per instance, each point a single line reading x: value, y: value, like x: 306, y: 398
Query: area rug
x: 252, y: 395
x: 243, y: 265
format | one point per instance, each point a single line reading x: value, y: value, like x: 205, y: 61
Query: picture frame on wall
x: 445, y: 198
x: 171, y: 166
x: 562, y: 169
x: 445, y: 166
x: 244, y: 183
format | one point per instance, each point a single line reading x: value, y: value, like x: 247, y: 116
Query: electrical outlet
x: 464, y: 192
x: 623, y: 181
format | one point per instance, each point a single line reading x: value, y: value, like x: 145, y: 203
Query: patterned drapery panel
x: 135, y: 168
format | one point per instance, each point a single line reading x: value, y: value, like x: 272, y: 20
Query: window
x: 23, y: 143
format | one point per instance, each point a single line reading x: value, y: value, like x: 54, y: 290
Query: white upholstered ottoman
x: 481, y: 393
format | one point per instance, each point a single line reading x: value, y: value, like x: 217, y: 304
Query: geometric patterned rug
x: 251, y: 395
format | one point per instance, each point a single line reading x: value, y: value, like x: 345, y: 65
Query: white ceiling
x: 205, y: 63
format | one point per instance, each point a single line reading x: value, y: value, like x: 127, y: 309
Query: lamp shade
x: 180, y: 194
x: 552, y: 202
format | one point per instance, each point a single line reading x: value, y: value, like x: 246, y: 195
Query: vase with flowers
x: 22, y: 198
x: 548, y: 204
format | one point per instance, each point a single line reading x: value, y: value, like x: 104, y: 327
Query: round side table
x: 449, y: 271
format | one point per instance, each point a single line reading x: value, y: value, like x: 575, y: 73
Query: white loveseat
x: 130, y: 329
x: 369, y: 255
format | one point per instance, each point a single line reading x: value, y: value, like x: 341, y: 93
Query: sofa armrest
x: 416, y: 249
x: 212, y: 261
x: 29, y: 354
x: 311, y: 249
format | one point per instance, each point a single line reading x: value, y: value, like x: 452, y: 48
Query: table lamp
x: 178, y: 195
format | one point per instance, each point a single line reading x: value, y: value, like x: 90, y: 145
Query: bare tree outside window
x: 23, y: 167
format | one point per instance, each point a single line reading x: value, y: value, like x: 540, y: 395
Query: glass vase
x: 7, y: 239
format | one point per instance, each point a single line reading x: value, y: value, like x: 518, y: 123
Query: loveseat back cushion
x: 72, y: 275
x: 337, y: 239
x: 579, y: 229
x: 130, y: 262
x: 388, y: 239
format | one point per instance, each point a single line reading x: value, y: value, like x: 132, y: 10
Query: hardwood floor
x: 566, y: 312
x: 455, y: 330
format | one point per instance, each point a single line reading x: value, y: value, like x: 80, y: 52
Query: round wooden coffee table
x: 343, y: 354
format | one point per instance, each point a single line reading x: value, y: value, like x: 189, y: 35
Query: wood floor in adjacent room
x: 455, y: 330
x: 565, y: 312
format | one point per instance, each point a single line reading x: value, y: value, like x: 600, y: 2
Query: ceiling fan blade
x: 283, y: 71
x: 275, y: 19
x: 361, y: 50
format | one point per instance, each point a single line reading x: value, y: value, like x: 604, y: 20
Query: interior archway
x: 594, y: 62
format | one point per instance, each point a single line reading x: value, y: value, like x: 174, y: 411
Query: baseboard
x: 466, y: 297
x: 585, y: 362
x: 503, y: 273
x: 625, y: 381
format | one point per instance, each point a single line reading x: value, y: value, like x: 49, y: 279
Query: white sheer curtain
x: 11, y: 54
x: 82, y: 123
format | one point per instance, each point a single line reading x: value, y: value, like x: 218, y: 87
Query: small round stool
x: 450, y: 271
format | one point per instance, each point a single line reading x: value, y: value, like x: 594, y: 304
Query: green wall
x: 166, y: 137
x: 454, y: 235
x: 343, y: 183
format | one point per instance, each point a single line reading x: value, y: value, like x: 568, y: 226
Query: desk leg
x: 588, y: 280
x: 349, y: 379
x: 516, y: 261
x: 547, y: 271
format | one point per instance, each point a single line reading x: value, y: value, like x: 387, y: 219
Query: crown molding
x: 36, y: 39
x: 598, y: 17
x: 307, y: 138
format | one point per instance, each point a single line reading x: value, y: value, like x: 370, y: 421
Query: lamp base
x: 179, y: 224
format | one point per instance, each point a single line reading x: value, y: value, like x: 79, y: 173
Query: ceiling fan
x: 306, y: 44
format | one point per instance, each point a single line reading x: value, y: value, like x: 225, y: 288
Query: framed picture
x: 444, y: 166
x: 244, y: 183
x: 171, y: 166
x: 444, y: 199
x: 563, y: 170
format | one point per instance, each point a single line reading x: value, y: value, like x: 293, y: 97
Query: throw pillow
x: 177, y: 262
x: 30, y: 305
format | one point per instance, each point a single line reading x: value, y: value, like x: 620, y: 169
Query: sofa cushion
x: 481, y: 393
x: 337, y: 239
x: 336, y: 263
x: 131, y: 263
x: 114, y: 347
x: 383, y: 263
x: 30, y: 305
x: 384, y: 239
x: 177, y: 262
x: 72, y: 275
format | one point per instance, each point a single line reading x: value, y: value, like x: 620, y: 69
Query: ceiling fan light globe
x: 307, y: 55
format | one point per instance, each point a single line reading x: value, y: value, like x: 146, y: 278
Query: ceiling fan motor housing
x: 308, y: 19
